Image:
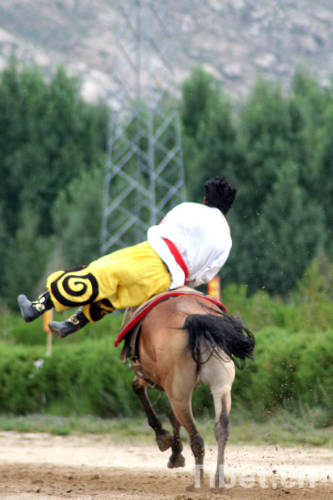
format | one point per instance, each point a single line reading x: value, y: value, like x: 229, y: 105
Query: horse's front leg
x: 163, y: 438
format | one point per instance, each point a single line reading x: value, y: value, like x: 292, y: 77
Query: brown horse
x: 186, y: 341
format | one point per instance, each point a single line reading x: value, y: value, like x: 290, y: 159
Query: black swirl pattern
x: 76, y: 286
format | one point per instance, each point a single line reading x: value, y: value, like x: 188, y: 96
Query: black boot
x: 71, y: 325
x: 31, y: 310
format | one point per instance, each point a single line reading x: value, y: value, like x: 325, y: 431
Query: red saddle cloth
x: 148, y: 306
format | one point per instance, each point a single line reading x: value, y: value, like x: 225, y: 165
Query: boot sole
x: 59, y: 331
x: 22, y: 302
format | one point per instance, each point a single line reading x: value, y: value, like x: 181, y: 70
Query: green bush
x: 82, y: 378
x: 272, y: 379
x: 315, y: 374
x: 89, y: 378
x: 289, y: 368
x: 307, y: 309
x: 15, y: 331
x: 21, y: 382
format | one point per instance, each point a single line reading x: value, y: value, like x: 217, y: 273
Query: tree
x: 3, y: 243
x: 26, y: 259
x: 322, y: 188
x: 289, y: 233
x: 49, y: 135
x: 271, y: 220
x: 77, y: 218
x: 208, y: 131
x: 315, y: 103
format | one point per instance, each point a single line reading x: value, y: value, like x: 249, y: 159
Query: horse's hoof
x: 191, y: 488
x: 178, y: 461
x: 216, y: 490
x: 164, y: 440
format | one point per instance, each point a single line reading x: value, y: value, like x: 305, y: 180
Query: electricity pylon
x: 145, y: 176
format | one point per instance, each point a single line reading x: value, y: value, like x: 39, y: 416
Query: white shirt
x: 202, y: 237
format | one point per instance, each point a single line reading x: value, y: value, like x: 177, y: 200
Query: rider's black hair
x: 219, y: 193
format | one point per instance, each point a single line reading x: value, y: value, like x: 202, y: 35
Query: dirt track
x: 40, y: 466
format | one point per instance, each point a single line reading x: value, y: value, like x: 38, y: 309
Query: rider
x: 189, y: 246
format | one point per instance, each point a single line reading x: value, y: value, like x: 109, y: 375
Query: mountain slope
x: 234, y: 39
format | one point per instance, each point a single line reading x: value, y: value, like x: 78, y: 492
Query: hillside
x: 234, y: 39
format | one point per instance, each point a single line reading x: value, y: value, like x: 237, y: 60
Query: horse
x: 186, y: 341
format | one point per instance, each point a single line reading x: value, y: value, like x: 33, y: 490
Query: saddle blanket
x: 141, y: 312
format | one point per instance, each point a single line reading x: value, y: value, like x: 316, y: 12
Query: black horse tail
x: 208, y: 334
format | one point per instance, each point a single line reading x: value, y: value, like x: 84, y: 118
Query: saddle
x: 131, y: 327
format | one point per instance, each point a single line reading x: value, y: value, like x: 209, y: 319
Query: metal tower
x: 144, y: 176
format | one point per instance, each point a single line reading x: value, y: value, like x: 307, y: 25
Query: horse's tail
x: 208, y: 334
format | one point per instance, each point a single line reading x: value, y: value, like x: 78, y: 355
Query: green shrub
x: 306, y: 310
x: 315, y: 374
x: 88, y: 377
x: 272, y: 379
x: 14, y: 330
x: 20, y: 379
x: 84, y: 378
x: 278, y: 360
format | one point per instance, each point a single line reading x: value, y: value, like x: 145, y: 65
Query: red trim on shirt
x: 179, y: 259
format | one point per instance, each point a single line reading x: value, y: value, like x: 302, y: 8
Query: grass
x: 283, y: 428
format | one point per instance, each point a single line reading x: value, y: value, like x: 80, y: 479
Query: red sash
x: 178, y: 258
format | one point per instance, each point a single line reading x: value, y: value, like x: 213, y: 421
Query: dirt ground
x: 41, y: 466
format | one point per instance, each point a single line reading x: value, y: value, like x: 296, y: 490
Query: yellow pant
x: 125, y: 278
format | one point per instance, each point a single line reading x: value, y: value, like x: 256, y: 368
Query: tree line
x: 275, y: 146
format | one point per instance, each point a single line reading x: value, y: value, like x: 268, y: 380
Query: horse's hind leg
x: 221, y: 435
x: 163, y: 438
x: 219, y: 375
x: 181, y: 403
x: 176, y: 459
x: 183, y: 413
